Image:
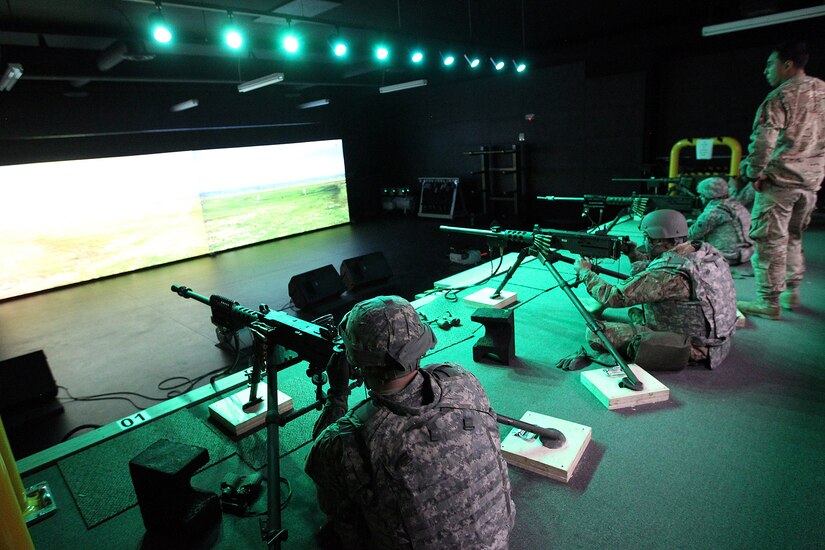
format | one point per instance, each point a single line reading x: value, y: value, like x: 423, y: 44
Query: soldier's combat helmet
x: 385, y: 337
x: 664, y: 224
x: 713, y: 188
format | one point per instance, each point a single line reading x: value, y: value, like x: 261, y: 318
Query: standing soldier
x: 786, y: 162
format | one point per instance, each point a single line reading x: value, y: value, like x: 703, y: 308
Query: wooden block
x: 530, y: 454
x: 740, y: 319
x: 230, y: 415
x: 606, y: 388
x: 482, y: 298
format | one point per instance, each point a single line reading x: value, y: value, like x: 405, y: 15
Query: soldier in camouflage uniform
x: 786, y: 162
x: 418, y: 464
x: 683, y: 287
x: 724, y: 222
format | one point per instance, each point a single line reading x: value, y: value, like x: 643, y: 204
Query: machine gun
x: 274, y: 333
x: 639, y: 205
x: 583, y: 244
x: 540, y: 243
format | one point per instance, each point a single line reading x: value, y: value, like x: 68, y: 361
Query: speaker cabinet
x: 313, y: 287
x: 366, y: 270
x: 26, y: 382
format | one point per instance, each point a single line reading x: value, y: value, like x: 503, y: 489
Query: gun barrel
x: 555, y: 198
x: 187, y: 292
x: 506, y: 234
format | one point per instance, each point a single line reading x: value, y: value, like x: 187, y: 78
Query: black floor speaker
x: 366, y: 270
x: 313, y: 287
x: 27, y: 387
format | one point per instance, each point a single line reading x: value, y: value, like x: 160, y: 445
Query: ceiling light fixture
x: 417, y: 56
x: 231, y: 34
x: 10, y: 76
x: 290, y: 40
x: 158, y: 27
x: 184, y: 105
x: 497, y: 64
x: 519, y: 65
x: 447, y: 59
x: 402, y: 86
x: 312, y: 104
x: 474, y: 62
x: 273, y: 78
x: 763, y: 21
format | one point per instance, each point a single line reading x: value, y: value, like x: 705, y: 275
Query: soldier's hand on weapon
x: 338, y: 371
x: 581, y: 264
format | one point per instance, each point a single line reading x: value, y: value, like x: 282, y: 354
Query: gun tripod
x: 548, y: 258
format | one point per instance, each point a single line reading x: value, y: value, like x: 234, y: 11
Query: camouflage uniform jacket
x: 725, y: 224
x: 418, y: 469
x: 788, y: 139
x: 688, y: 289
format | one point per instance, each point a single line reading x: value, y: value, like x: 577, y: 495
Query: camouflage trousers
x: 620, y: 334
x: 780, y: 216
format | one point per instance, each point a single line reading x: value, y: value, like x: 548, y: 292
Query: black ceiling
x: 65, y: 40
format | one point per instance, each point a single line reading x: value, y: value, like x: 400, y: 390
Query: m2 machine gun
x: 541, y: 244
x: 638, y: 205
x: 275, y: 333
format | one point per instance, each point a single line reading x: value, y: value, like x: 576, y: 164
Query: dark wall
x: 582, y: 131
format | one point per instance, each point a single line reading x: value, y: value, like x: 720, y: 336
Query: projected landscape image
x: 72, y: 221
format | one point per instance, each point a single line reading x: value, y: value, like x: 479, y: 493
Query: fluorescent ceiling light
x: 183, y: 105
x: 10, y: 77
x: 273, y: 78
x: 763, y: 21
x: 316, y: 103
x: 402, y: 86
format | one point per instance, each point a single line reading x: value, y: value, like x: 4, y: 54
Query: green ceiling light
x: 519, y: 65
x: 382, y: 53
x: 290, y: 43
x: 417, y: 56
x: 289, y: 40
x: 161, y: 32
x: 447, y: 59
x: 498, y: 65
x: 337, y: 45
x: 473, y: 62
x: 232, y: 36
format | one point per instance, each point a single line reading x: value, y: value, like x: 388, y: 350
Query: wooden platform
x: 482, y: 298
x: 230, y: 415
x: 526, y: 451
x: 606, y: 388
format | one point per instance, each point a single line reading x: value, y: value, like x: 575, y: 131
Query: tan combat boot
x: 789, y: 299
x: 760, y: 308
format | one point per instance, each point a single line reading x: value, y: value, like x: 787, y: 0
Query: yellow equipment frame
x: 732, y: 143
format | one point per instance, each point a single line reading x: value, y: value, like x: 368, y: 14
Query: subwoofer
x: 26, y: 382
x: 366, y: 270
x: 313, y: 287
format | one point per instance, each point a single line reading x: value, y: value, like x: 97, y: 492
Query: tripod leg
x: 521, y: 255
x: 630, y: 381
